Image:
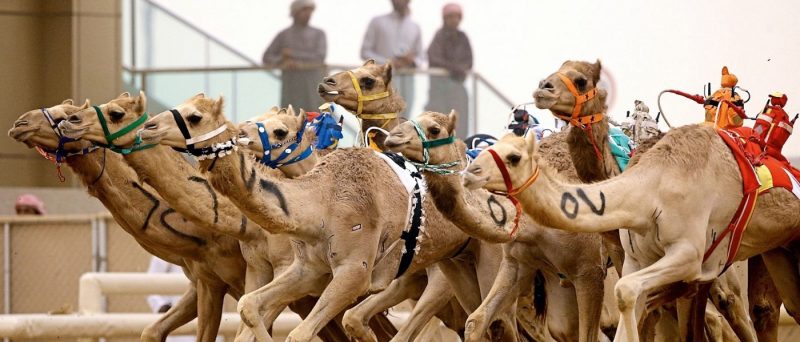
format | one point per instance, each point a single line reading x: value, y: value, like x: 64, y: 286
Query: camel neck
x: 584, y: 155
x: 302, y: 167
x: 589, y: 208
x: 188, y: 191
x: 263, y: 198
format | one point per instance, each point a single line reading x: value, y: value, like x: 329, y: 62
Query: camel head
x: 203, y: 117
x: 405, y: 138
x: 34, y: 129
x: 280, y: 128
x: 118, y: 114
x: 517, y: 154
x: 373, y: 79
x: 553, y: 92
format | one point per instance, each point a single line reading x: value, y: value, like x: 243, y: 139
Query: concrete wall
x: 53, y: 50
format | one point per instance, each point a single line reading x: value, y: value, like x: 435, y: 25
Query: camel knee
x: 627, y: 293
x: 249, y: 310
x: 356, y: 326
x: 763, y: 314
x: 152, y: 334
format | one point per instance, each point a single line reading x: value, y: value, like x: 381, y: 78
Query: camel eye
x: 116, y: 115
x: 580, y: 82
x: 367, y: 82
x: 514, y: 159
x: 434, y: 131
x: 194, y: 118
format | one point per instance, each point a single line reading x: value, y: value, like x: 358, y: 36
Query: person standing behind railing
x: 29, y: 204
x: 450, y: 49
x: 299, y: 51
x: 395, y: 37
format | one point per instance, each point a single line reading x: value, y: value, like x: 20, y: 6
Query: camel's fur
x: 213, y: 263
x: 693, y: 192
x: 336, y: 238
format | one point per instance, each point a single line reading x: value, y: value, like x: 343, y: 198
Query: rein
x: 441, y: 169
x: 582, y: 122
x: 267, y: 160
x: 58, y: 155
x: 510, y: 192
x: 110, y: 137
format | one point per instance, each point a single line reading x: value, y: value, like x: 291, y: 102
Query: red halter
x: 510, y: 192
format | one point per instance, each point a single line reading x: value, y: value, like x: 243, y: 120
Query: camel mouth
x: 151, y: 135
x: 393, y: 142
x: 472, y: 181
x: 21, y: 133
x: 544, y: 99
x: 73, y: 131
x: 327, y: 94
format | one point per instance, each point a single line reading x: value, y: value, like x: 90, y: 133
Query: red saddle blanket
x: 760, y: 172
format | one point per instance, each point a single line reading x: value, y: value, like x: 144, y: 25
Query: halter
x: 510, y: 192
x: 267, y: 160
x: 110, y: 137
x: 441, y: 169
x: 365, y: 98
x: 58, y: 154
x: 214, y: 151
x: 582, y: 122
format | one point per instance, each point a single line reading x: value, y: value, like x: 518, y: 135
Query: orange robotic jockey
x: 718, y: 106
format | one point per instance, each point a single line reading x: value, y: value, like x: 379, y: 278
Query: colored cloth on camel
x: 620, y: 145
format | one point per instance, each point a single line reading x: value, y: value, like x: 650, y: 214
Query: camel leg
x: 784, y: 266
x: 254, y: 279
x: 179, y: 314
x: 562, y: 318
x: 589, y: 295
x: 436, y: 297
x: 356, y: 319
x: 726, y: 294
x: 502, y: 294
x: 261, y: 307
x: 350, y: 280
x: 209, y: 310
x: 488, y: 262
x: 462, y: 278
x: 764, y: 300
x: 679, y: 262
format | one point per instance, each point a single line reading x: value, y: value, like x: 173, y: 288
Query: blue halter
x: 59, y: 153
x: 267, y: 160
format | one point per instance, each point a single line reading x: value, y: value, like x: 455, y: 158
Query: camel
x: 281, y: 125
x: 670, y: 227
x: 327, y: 262
x: 532, y: 248
x: 190, y: 194
x: 591, y: 154
x: 366, y: 92
x: 213, y: 263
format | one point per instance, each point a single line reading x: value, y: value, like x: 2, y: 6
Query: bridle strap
x: 267, y: 160
x: 182, y: 127
x: 428, y: 144
x: 510, y: 192
x: 583, y: 122
x: 110, y: 137
x: 364, y: 98
x: 580, y: 99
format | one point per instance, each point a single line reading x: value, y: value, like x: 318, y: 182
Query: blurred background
x: 96, y: 49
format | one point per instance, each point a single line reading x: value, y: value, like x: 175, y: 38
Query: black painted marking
x: 243, y: 227
x: 595, y: 209
x: 211, y: 191
x: 501, y: 221
x: 248, y: 183
x: 630, y: 240
x: 153, y: 199
x: 565, y: 197
x: 273, y: 189
x: 194, y: 239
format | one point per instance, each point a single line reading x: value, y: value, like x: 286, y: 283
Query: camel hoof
x: 357, y: 330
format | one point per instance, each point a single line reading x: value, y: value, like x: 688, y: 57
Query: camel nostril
x: 548, y: 86
x: 280, y: 133
x: 150, y: 125
x: 75, y: 119
x: 242, y: 133
x: 329, y: 81
x: 476, y: 170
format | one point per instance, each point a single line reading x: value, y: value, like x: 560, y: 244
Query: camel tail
x: 539, y: 296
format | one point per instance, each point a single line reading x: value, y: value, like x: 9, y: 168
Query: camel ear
x: 387, y: 73
x: 216, y: 109
x: 452, y: 122
x: 531, y: 144
x: 725, y: 70
x: 274, y: 110
x: 301, y: 118
x: 68, y: 102
x: 140, y: 104
x: 290, y: 110
x: 86, y: 104
x: 123, y: 95
x: 369, y: 62
x: 596, y: 67
x: 200, y: 95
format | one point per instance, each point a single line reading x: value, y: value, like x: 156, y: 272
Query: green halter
x: 110, y: 137
x: 441, y: 169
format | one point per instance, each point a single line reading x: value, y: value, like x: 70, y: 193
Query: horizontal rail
x: 94, y: 286
x: 69, y: 218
